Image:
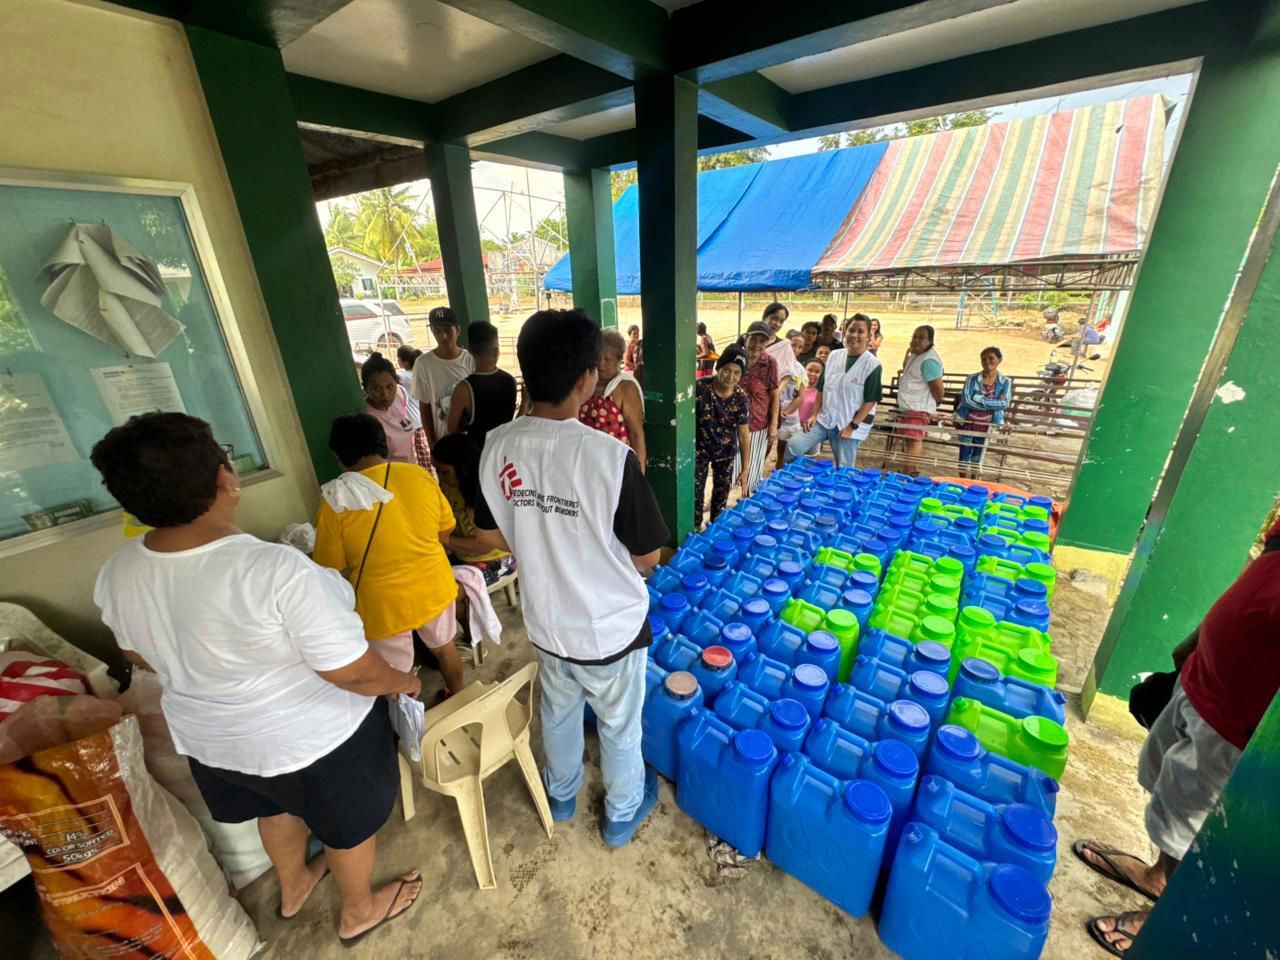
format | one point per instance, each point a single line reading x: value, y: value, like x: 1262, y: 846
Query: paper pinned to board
x: 129, y: 391
x: 100, y: 284
x: 32, y: 433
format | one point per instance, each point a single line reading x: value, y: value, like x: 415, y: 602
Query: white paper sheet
x: 32, y: 433
x: 98, y: 283
x: 131, y: 390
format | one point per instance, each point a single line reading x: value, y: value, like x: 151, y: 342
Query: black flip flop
x: 1100, y: 936
x: 1105, y: 854
x: 416, y: 878
x: 319, y: 880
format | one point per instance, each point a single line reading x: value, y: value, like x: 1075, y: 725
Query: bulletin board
x: 110, y: 306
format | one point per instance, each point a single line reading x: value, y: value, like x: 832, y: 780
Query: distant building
x: 366, y: 270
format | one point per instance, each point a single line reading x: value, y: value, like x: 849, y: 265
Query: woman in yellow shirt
x: 383, y: 524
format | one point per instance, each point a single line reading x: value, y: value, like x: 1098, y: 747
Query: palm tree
x: 383, y: 219
x: 341, y: 230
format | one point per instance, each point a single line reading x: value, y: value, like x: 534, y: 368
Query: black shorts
x: 344, y: 797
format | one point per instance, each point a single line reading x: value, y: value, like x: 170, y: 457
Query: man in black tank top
x: 487, y: 398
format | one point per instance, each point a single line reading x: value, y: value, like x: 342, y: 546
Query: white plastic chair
x: 469, y: 736
x: 507, y: 585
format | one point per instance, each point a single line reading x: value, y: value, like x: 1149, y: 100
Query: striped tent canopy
x: 1078, y: 183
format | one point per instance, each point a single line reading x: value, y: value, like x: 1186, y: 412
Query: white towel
x: 354, y: 491
x: 481, y: 617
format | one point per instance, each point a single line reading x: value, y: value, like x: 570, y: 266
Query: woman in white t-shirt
x: 269, y: 687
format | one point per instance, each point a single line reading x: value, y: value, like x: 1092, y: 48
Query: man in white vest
x: 920, y: 389
x: 848, y: 393
x: 572, y: 505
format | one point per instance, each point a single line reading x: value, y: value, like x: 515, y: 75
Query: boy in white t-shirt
x: 573, y: 506
x: 436, y: 373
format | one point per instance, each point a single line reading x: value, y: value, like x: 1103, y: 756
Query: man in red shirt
x: 1229, y: 672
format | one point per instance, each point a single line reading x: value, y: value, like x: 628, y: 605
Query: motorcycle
x: 1042, y: 404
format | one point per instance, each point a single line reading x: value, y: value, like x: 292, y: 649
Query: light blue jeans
x: 616, y: 694
x: 845, y: 451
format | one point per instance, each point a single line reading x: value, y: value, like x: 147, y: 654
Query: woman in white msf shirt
x: 269, y: 687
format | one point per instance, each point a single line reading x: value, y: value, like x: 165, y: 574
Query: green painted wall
x: 1217, y: 184
x: 588, y: 204
x: 253, y: 117
x: 449, y: 168
x: 1220, y: 903
x: 667, y: 132
x: 1226, y: 473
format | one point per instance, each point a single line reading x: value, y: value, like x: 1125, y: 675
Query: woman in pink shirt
x: 388, y: 403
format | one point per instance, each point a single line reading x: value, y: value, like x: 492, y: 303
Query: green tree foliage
x: 912, y: 128
x: 385, y: 225
x: 621, y: 179
x: 344, y: 274
x: 341, y: 230
x: 550, y: 229
x: 733, y: 158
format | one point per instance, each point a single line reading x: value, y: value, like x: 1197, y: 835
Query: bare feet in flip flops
x: 1122, y: 868
x: 292, y: 901
x: 388, y: 903
x: 1116, y: 934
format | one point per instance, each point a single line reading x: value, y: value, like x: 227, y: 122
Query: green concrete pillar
x: 667, y: 138
x: 253, y: 118
x: 1220, y: 483
x: 1217, y: 184
x: 1218, y: 903
x: 449, y: 169
x: 588, y: 205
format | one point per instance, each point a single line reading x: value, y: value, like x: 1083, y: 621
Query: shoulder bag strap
x: 376, y: 517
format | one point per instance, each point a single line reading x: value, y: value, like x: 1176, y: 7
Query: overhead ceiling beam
x: 626, y: 37
x: 1066, y: 62
x: 718, y: 39
x: 561, y: 88
x: 343, y: 109
x: 340, y: 178
x: 543, y: 150
x: 272, y: 23
x: 752, y: 103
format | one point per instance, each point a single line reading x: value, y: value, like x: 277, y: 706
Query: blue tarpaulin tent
x: 760, y: 227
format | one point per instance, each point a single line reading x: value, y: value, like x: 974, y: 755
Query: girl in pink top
x: 387, y: 401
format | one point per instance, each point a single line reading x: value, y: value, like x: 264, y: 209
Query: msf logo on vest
x: 509, y: 479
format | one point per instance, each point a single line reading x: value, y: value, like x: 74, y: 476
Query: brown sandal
x: 415, y: 877
x: 1121, y: 921
x: 1113, y: 872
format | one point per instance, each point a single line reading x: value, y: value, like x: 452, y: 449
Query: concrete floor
x: 569, y: 896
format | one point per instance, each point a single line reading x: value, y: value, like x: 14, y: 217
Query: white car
x: 375, y: 325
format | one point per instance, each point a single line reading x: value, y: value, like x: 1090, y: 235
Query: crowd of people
x: 276, y: 668
x: 786, y: 396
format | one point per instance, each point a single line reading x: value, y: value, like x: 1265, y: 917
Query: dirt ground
x: 570, y: 897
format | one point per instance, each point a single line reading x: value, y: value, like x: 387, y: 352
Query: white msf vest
x: 842, y: 391
x: 913, y: 389
x: 552, y: 487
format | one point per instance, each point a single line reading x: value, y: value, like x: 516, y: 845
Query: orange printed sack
x: 122, y: 869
